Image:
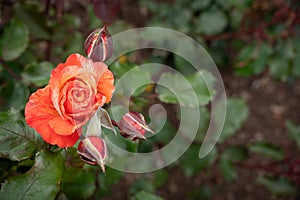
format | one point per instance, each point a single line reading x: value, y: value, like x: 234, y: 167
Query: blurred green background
x: 256, y: 46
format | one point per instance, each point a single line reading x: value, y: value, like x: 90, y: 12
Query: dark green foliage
x: 40, y: 182
x: 35, y: 37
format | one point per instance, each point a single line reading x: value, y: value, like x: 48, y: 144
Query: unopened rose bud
x: 92, y: 150
x: 133, y: 126
x: 98, y: 46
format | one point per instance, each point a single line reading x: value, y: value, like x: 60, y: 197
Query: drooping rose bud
x: 92, y: 150
x: 133, y: 126
x: 98, y: 46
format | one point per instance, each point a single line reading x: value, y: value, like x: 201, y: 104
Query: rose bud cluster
x: 77, y: 88
x: 76, y: 92
x: 133, y: 126
x: 99, y: 46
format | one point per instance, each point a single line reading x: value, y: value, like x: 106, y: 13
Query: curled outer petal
x: 39, y: 112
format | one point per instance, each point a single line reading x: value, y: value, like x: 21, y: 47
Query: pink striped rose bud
x: 92, y: 150
x: 98, y: 46
x: 133, y: 126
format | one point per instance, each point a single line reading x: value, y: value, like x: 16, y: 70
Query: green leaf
x: 34, y: 18
x: 164, y: 94
x: 246, y: 52
x: 142, y: 195
x: 18, y: 141
x: 237, y: 114
x: 240, y: 4
x: 133, y: 83
x: 267, y: 149
x: 166, y: 134
x: 14, y: 40
x: 117, y: 112
x: 236, y: 17
x: 140, y: 103
x: 5, y: 166
x: 262, y: 55
x: 142, y: 184
x: 201, y: 87
x: 229, y: 4
x: 132, y: 146
x: 198, y: 5
x: 227, y: 169
x: 72, y: 158
x: 37, y: 73
x: 235, y: 153
x: 223, y: 4
x: 279, y: 186
x: 160, y: 178
x: 183, y: 89
x: 253, y: 58
x: 117, y: 140
x: 183, y: 65
x: 296, y: 59
x: 181, y: 18
x: 203, y: 124
x: 78, y: 183
x: 19, y: 96
x: 73, y: 21
x: 287, y: 49
x: 203, y: 193
x: 42, y: 181
x: 191, y: 164
x: 61, y: 196
x: 73, y: 44
x: 110, y: 178
x: 212, y: 21
x: 294, y: 132
x: 119, y: 69
x: 279, y: 68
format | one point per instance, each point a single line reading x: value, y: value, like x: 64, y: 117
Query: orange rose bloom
x: 76, y: 89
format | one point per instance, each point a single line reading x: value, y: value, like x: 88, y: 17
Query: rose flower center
x: 79, y: 94
x: 77, y: 98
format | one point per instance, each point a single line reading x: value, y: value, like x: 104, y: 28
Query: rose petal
x: 105, y: 85
x: 76, y: 96
x: 39, y: 106
x: 78, y: 67
x: 57, y: 80
x: 73, y: 59
x: 52, y: 138
x: 61, y: 126
x: 39, y: 111
x: 92, y: 71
